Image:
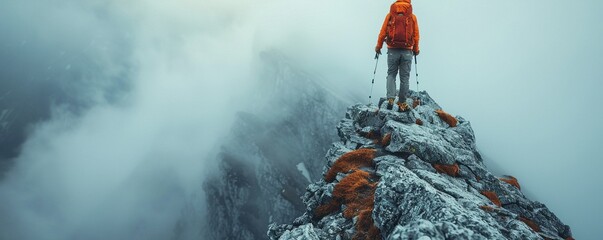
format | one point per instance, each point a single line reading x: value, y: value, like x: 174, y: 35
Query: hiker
x: 401, y: 33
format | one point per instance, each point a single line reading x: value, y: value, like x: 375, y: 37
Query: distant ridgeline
x: 413, y: 174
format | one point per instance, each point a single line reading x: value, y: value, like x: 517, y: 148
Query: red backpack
x: 401, y: 27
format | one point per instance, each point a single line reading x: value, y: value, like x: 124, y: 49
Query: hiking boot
x: 402, y: 106
x: 390, y: 103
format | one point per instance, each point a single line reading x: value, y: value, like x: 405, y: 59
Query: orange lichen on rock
x: 452, y: 170
x: 419, y: 122
x: 492, y: 196
x: 511, y: 180
x: 326, y: 209
x: 452, y: 121
x: 356, y: 192
x: 365, y: 226
x: 370, y: 135
x: 416, y: 103
x: 530, y: 224
x: 386, y: 139
x: 351, y: 161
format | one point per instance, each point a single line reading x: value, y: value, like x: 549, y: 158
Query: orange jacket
x: 383, y: 32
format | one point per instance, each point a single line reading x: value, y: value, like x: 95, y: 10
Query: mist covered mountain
x: 24, y: 103
x: 41, y: 73
x: 270, y: 155
x: 414, y: 175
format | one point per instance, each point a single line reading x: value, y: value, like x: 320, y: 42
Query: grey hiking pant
x: 398, y: 59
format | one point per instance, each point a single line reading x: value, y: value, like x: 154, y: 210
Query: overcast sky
x: 525, y: 73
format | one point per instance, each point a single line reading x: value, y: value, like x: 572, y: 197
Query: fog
x: 152, y: 88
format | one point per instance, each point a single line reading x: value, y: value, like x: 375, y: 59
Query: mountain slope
x: 410, y: 175
x: 270, y: 155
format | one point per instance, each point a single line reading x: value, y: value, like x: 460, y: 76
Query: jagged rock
x: 303, y: 232
x: 422, y: 228
x: 412, y: 199
x: 403, y: 197
x: 414, y: 163
x: 270, y: 155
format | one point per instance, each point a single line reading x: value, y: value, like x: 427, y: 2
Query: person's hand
x: 416, y: 52
x: 378, y: 50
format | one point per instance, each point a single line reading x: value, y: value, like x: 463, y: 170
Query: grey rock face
x: 258, y: 179
x: 416, y: 196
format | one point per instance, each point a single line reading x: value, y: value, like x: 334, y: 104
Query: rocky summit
x: 415, y: 174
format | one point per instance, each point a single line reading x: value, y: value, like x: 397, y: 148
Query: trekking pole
x: 417, y: 74
x: 374, y: 73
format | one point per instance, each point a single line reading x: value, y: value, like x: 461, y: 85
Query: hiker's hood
x: 404, y: 1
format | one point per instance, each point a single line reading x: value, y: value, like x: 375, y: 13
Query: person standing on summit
x: 401, y: 33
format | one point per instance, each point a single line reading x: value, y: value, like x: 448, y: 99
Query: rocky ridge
x: 414, y: 174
